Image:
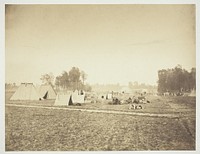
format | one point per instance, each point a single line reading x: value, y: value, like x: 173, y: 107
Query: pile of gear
x: 135, y: 102
x: 115, y: 101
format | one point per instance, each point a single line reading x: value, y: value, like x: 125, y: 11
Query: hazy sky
x: 111, y: 43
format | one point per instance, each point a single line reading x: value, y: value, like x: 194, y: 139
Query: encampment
x: 47, y: 92
x: 26, y: 91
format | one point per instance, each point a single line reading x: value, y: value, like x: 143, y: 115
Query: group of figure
x: 135, y: 102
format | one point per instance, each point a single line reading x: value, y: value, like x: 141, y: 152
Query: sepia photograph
x: 100, y: 77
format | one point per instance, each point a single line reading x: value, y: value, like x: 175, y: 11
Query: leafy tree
x: 193, y: 78
x: 162, y: 82
x: 73, y: 80
x: 58, y: 82
x: 176, y: 80
x: 65, y: 83
x: 47, y: 78
x: 83, y: 76
x: 74, y: 77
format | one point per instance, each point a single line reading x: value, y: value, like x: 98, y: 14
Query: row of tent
x: 69, y: 99
x: 27, y: 91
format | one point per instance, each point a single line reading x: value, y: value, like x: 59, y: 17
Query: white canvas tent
x: 109, y: 96
x: 63, y: 100
x: 47, y: 92
x: 26, y: 91
x: 77, y: 98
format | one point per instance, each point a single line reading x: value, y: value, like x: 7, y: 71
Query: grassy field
x: 37, y: 129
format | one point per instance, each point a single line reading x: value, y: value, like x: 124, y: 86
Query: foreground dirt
x: 40, y: 129
x: 29, y: 129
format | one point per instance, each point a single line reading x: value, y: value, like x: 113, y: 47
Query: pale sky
x: 111, y: 43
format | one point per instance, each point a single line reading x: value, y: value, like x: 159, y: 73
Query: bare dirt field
x: 45, y: 129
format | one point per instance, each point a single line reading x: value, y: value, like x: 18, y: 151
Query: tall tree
x: 58, y: 83
x: 74, y: 77
x: 193, y: 78
x: 83, y: 76
x: 162, y: 76
x: 65, y: 83
x: 176, y: 80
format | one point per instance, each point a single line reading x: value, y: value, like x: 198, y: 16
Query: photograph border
x: 2, y: 60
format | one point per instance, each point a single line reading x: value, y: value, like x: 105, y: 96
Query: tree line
x: 68, y: 80
x: 176, y: 80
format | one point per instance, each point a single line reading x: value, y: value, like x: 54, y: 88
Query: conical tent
x: 47, y: 92
x: 26, y: 91
x: 63, y: 100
